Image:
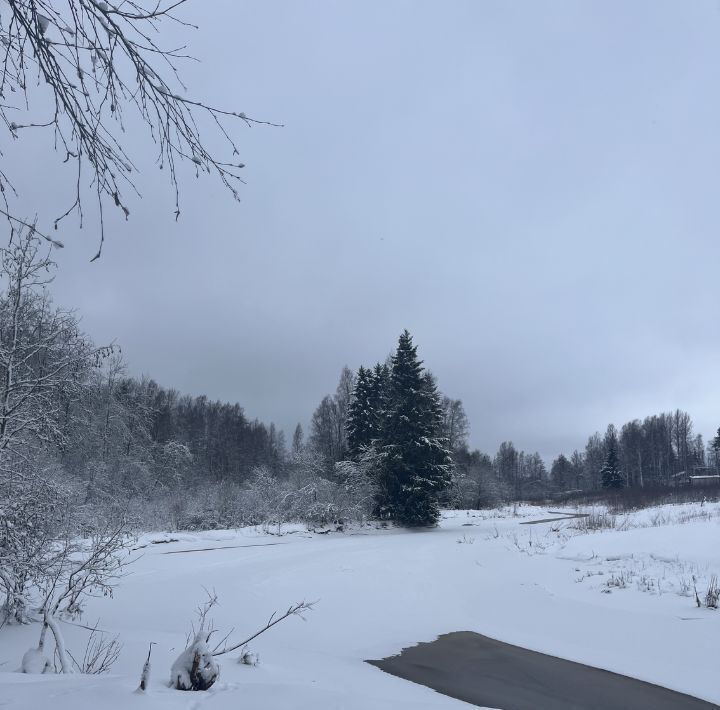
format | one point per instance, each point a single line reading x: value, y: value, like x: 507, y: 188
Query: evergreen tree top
x: 716, y: 441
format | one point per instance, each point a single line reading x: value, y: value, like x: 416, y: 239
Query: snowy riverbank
x: 619, y: 599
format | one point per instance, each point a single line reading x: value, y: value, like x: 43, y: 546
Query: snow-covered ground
x: 620, y: 598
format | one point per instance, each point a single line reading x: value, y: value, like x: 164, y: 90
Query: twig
x: 294, y: 610
x: 145, y: 675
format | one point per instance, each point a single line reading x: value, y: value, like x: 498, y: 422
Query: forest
x: 129, y: 448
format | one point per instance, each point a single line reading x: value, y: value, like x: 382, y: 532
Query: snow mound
x: 35, y: 661
x: 195, y: 668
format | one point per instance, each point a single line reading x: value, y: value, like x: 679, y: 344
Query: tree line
x: 69, y: 409
x: 128, y: 447
x: 658, y: 451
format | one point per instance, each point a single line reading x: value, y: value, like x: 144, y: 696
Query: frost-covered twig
x: 294, y: 610
x: 145, y: 675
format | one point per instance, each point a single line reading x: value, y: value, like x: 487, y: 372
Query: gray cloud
x: 530, y: 188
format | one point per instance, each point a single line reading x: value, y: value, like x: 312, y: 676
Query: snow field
x: 548, y: 587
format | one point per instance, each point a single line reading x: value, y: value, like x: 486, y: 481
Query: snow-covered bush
x: 85, y: 567
x: 248, y: 657
x: 712, y: 596
x: 34, y: 511
x: 76, y: 569
x: 305, y: 494
x: 195, y: 668
x: 208, y: 507
x: 47, y: 569
x: 316, y: 500
x: 269, y: 500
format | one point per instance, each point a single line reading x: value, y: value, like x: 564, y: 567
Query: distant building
x: 700, y: 476
x: 711, y: 480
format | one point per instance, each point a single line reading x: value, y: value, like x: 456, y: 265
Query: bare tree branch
x: 294, y: 610
x: 95, y: 61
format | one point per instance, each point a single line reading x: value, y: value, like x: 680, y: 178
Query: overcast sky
x: 531, y: 188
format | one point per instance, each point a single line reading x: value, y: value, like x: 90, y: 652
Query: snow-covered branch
x: 196, y: 668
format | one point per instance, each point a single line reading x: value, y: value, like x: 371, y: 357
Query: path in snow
x: 486, y: 672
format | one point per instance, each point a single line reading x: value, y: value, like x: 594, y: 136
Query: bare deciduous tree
x: 328, y: 424
x: 455, y: 427
x: 74, y: 571
x: 43, y: 355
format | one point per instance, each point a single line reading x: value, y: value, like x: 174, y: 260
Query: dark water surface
x: 490, y: 673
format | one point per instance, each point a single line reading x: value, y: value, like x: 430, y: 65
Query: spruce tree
x: 380, y: 381
x: 415, y: 465
x: 716, y: 441
x: 715, y: 448
x: 367, y: 407
x: 360, y: 415
x: 610, y: 474
x: 561, y: 472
